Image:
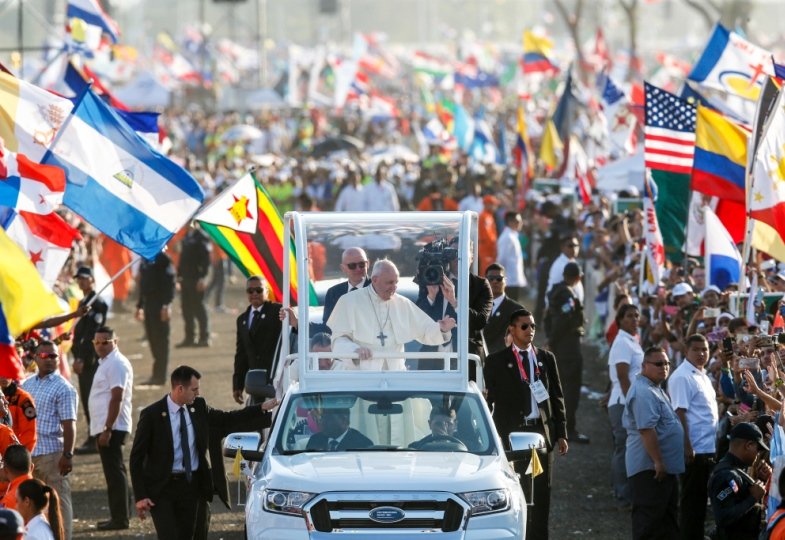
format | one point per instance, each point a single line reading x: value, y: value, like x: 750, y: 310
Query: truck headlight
x: 487, y: 502
x: 286, y: 502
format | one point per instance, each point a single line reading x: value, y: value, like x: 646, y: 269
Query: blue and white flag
x: 118, y: 182
x: 483, y: 147
x: 721, y: 258
x: 734, y: 66
x: 620, y: 123
x: 92, y: 15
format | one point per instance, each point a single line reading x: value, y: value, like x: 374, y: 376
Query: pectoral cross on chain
x: 381, y: 337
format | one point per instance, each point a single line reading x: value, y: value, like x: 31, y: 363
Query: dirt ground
x: 581, y: 504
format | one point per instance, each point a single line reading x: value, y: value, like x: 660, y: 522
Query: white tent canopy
x: 621, y: 174
x: 144, y: 92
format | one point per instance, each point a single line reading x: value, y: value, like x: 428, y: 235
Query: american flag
x: 670, y: 132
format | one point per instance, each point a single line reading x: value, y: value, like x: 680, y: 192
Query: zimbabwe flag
x: 245, y: 223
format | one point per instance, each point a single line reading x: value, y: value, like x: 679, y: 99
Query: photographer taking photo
x: 439, y: 299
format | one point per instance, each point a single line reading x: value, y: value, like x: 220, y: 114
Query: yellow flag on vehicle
x: 238, y: 457
x: 535, y: 467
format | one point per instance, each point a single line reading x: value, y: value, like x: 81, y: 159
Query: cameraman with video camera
x: 438, y: 281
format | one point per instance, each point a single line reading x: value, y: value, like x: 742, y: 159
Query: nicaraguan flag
x: 119, y: 183
x: 722, y: 259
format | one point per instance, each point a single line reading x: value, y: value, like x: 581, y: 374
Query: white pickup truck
x: 421, y: 457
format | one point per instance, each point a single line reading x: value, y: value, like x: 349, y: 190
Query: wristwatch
x: 107, y: 428
x: 68, y: 455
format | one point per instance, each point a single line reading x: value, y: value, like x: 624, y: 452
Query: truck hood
x: 388, y: 471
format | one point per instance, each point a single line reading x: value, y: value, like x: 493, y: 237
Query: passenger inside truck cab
x: 443, y: 424
x: 336, y: 434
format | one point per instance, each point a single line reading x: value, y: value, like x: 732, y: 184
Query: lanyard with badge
x: 537, y: 389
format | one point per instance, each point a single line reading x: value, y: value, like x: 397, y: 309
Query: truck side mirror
x: 522, y: 443
x: 257, y: 384
x: 248, y: 444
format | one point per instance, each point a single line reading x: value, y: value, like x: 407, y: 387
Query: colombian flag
x: 720, y: 156
x: 245, y: 223
x: 535, y: 54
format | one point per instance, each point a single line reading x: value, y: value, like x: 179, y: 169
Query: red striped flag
x: 669, y: 151
x: 670, y: 132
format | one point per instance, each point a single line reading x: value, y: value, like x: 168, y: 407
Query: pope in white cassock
x: 376, y: 319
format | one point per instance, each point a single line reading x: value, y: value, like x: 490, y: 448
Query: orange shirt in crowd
x: 113, y: 258
x: 23, y: 415
x: 437, y: 202
x: 486, y: 236
x: 9, y: 499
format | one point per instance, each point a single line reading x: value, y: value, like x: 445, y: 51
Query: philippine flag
x: 29, y: 186
x: 119, y: 183
x: 722, y: 259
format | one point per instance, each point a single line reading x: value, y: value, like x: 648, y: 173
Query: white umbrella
x: 241, y: 132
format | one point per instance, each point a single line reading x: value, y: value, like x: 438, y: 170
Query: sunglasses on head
x: 525, y: 326
x: 356, y: 265
x: 45, y: 355
x: 494, y: 278
x: 257, y: 290
x: 102, y: 341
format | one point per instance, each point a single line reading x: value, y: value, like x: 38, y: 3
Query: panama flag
x: 46, y: 239
x: 721, y: 258
x: 119, y: 183
x: 733, y: 65
x: 29, y: 186
x: 619, y: 121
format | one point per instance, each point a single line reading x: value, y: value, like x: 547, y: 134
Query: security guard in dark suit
x: 564, y: 326
x: 736, y: 496
x: 525, y: 394
x: 156, y: 292
x: 258, y: 330
x: 192, y: 274
x: 173, y: 485
x: 503, y: 307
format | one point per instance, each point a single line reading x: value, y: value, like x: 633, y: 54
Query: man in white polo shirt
x: 695, y: 402
x: 110, y: 423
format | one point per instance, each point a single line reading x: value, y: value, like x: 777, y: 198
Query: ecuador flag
x: 245, y: 223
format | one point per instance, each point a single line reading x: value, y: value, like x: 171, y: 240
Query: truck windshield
x: 373, y: 421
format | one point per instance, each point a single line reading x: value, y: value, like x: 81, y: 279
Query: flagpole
x: 114, y: 278
x: 749, y: 177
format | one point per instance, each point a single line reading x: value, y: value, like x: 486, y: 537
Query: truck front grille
x: 363, y: 511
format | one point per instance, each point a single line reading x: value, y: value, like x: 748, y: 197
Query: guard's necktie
x: 527, y: 401
x: 333, y: 445
x: 256, y: 314
x: 184, y: 446
x: 353, y: 289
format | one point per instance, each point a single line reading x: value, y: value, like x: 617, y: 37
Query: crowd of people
x: 573, y: 268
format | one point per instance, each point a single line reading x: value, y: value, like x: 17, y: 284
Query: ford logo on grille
x: 386, y: 514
